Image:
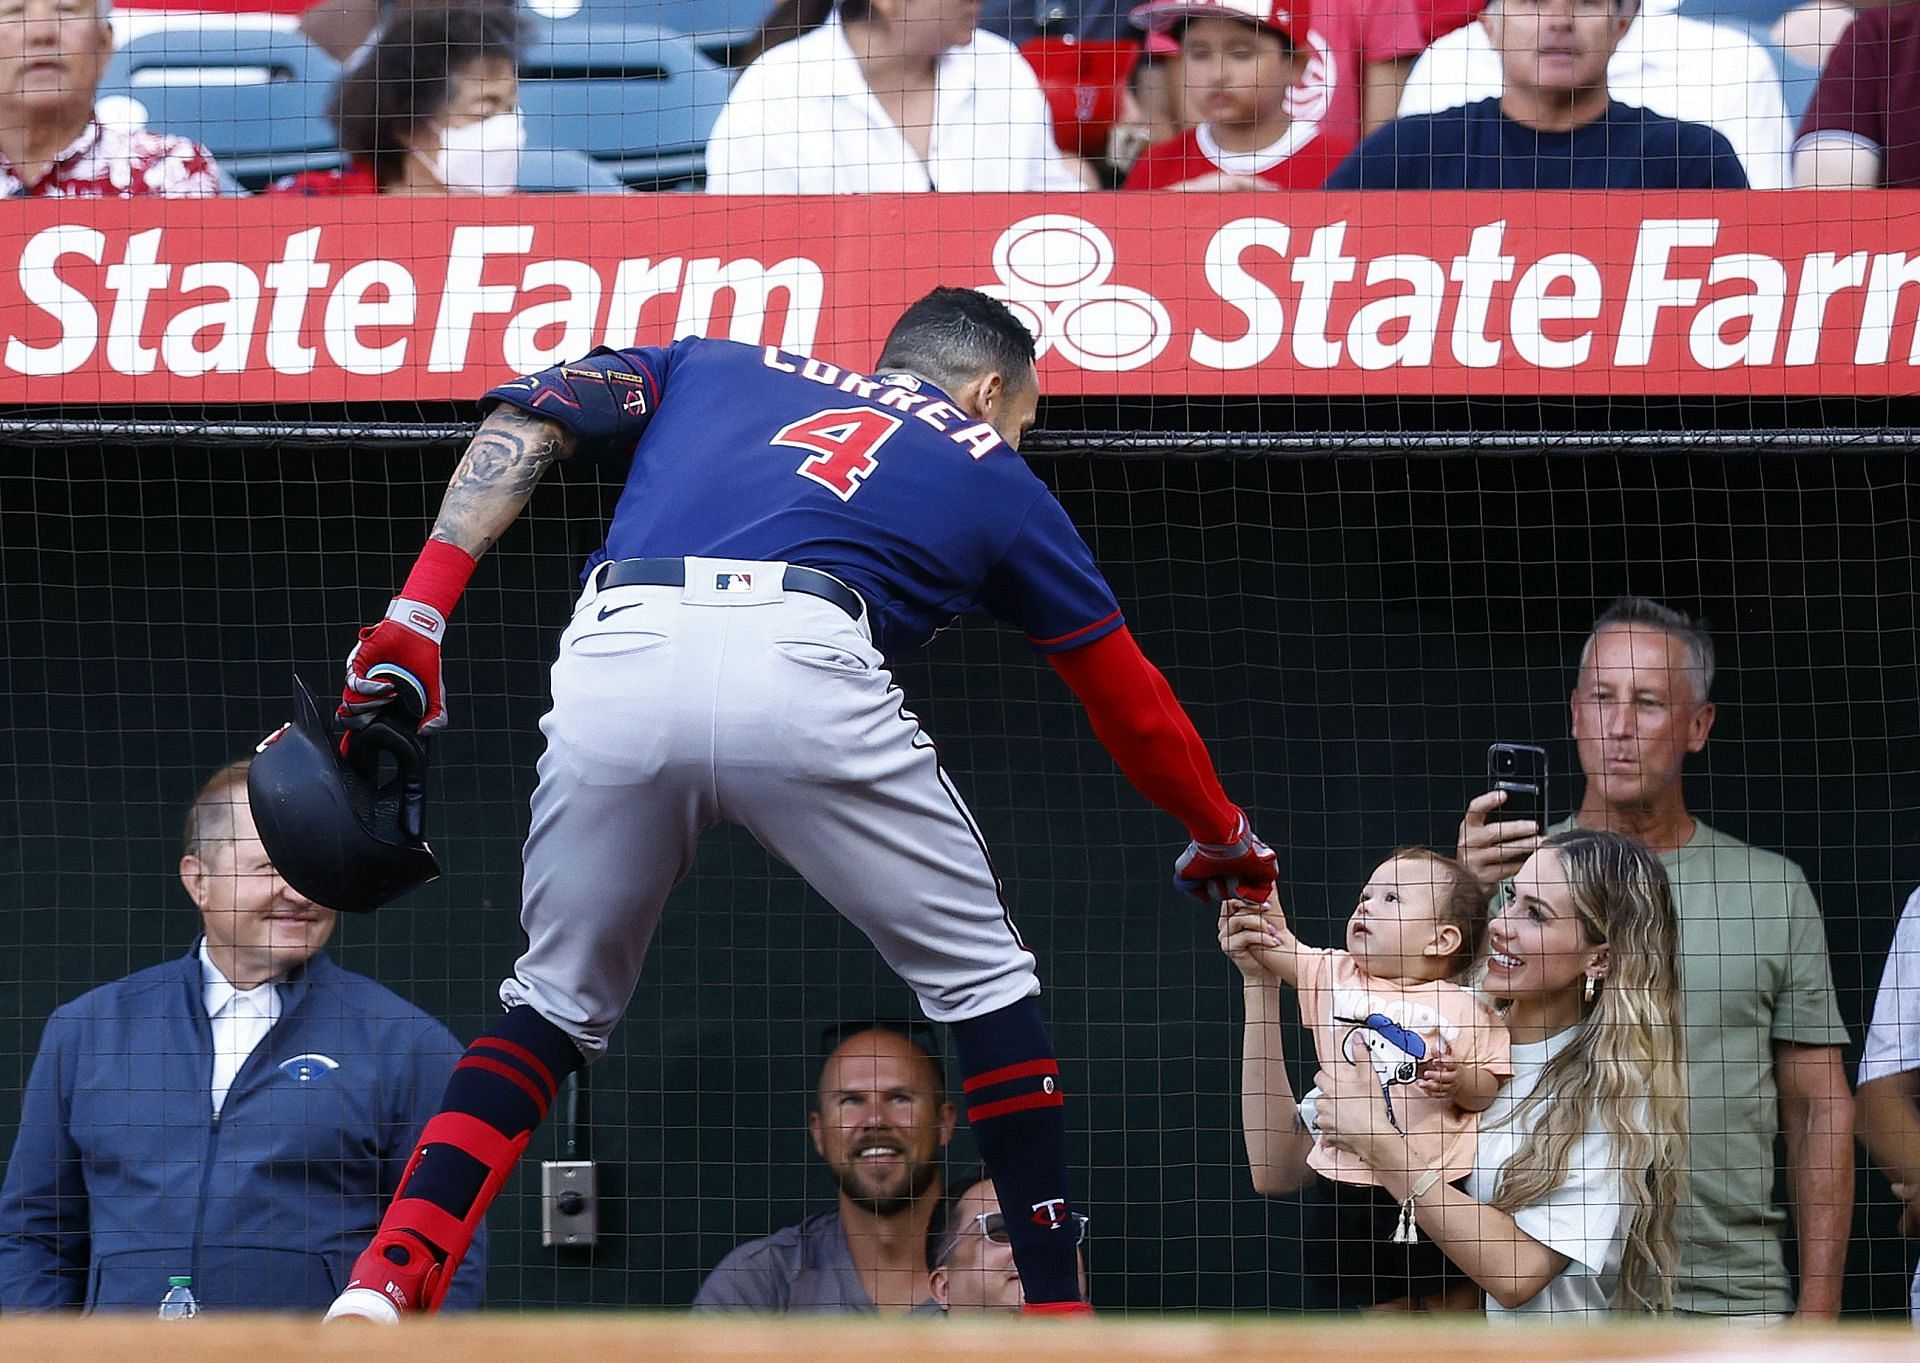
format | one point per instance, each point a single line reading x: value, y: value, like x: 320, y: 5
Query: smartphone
x: 1520, y: 769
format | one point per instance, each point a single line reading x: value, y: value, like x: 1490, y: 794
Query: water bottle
x: 179, y: 1304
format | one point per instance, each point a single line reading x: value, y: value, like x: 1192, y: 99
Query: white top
x: 1893, y: 1041
x: 1683, y: 68
x: 1298, y: 134
x: 802, y: 120
x: 1581, y: 1218
x: 241, y: 1019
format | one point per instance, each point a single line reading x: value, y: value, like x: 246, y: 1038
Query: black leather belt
x: 672, y: 572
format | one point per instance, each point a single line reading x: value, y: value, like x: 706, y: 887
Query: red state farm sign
x: 305, y: 300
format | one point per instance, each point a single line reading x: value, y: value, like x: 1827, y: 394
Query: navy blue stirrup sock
x: 1016, y: 1110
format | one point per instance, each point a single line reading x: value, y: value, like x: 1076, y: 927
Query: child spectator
x: 1392, y: 1004
x: 1238, y: 60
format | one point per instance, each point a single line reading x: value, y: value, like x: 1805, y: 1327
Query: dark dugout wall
x: 1349, y: 634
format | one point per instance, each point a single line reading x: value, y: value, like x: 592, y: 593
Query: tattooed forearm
x: 496, y: 477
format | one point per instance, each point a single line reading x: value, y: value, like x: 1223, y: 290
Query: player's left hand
x: 1243, y: 867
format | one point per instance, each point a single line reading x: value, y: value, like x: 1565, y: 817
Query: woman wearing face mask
x: 1579, y: 1169
x: 430, y: 106
x: 881, y: 96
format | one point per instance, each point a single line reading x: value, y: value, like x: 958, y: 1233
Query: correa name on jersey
x: 880, y: 480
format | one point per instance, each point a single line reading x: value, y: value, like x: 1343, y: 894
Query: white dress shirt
x: 1682, y: 68
x: 802, y: 120
x: 240, y: 1018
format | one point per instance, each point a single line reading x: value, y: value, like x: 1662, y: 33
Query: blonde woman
x: 1569, y: 1211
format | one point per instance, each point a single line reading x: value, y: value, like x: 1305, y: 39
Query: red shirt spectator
x: 1303, y: 158
x: 355, y: 178
x: 113, y: 163
x: 1863, y: 127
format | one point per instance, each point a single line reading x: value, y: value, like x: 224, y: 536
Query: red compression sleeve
x: 1138, y: 719
x: 439, y: 575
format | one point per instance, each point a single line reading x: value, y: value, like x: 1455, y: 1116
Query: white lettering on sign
x: 1260, y: 306
x: 1668, y: 301
x: 354, y: 308
x: 188, y: 317
x: 73, y: 315
x: 1538, y: 300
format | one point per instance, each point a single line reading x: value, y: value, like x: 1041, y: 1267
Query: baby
x: 1392, y: 1001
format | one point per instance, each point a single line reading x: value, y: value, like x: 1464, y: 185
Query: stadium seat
x: 719, y: 28
x: 256, y: 98
x: 554, y: 171
x: 641, y: 101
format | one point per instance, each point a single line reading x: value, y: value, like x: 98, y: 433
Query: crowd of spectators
x: 858, y: 96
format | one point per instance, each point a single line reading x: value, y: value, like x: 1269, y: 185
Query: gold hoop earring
x: 1591, y: 990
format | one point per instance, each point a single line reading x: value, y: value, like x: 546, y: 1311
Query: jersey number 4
x: 843, y: 444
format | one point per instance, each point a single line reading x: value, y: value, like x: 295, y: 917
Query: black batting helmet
x: 335, y: 829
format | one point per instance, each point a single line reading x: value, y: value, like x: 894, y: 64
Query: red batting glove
x: 1243, y: 867
x: 408, y: 640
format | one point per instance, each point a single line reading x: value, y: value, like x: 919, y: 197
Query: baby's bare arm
x: 1475, y: 1087
x: 1277, y: 949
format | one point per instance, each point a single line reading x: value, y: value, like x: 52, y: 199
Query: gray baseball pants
x: 731, y: 698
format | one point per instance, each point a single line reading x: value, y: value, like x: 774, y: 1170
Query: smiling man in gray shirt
x: 880, y: 1120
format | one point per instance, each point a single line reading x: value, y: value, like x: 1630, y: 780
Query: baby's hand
x: 1270, y: 910
x: 1438, y: 1076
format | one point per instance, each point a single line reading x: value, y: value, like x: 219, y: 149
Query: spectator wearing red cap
x: 1238, y: 60
x: 1862, y: 130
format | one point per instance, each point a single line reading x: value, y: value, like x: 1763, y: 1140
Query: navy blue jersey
x: 1479, y: 147
x: 745, y: 452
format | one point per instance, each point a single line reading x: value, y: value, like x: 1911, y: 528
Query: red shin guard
x: 420, y: 1244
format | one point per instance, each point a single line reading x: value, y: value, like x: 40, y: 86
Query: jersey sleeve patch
x: 605, y: 399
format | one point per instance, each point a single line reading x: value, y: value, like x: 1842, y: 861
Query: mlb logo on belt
x: 733, y: 582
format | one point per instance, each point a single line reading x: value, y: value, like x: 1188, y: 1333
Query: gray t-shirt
x: 807, y: 1267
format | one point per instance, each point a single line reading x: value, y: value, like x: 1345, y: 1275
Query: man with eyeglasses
x: 973, y: 1258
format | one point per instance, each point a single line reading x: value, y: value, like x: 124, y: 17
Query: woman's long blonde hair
x: 1623, y: 1073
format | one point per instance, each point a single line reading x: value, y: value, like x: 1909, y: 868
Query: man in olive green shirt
x: 1763, y: 1032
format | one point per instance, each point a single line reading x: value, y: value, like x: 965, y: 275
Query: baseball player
x: 786, y: 525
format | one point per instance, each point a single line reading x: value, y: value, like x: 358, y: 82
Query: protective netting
x: 1361, y: 466
x: 1349, y: 633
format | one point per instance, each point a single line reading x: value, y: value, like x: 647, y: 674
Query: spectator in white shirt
x: 1682, y: 68
x: 883, y: 96
x: 1889, y: 1095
